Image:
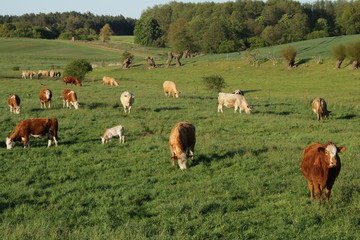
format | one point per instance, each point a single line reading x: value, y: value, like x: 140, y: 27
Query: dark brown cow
x: 69, y: 98
x: 182, y: 143
x: 45, y: 97
x: 319, y: 107
x: 34, y: 127
x: 14, y: 103
x: 72, y: 80
x: 320, y: 166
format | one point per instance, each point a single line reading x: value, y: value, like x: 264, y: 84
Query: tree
x: 147, y: 30
x: 106, y: 32
x: 353, y: 51
x: 178, y: 37
x: 289, y: 53
x: 78, y: 68
x: 214, y: 83
x: 339, y: 53
x: 127, y: 59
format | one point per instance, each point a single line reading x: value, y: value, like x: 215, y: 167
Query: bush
x: 126, y: 55
x: 78, y: 68
x: 289, y: 53
x: 339, y: 52
x: 214, y: 83
x: 66, y: 36
x: 16, y: 68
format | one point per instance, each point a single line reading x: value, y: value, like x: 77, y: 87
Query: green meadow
x: 243, y: 183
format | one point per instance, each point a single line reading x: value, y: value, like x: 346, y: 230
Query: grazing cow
x: 319, y: 107
x: 112, y: 132
x: 110, y: 81
x: 57, y: 74
x: 238, y: 91
x: 72, y: 80
x: 14, y: 103
x: 69, y: 98
x: 43, y: 73
x: 320, y: 166
x: 127, y: 100
x: 170, y: 88
x: 25, y: 74
x: 182, y: 143
x: 45, y: 97
x: 233, y: 100
x: 34, y: 127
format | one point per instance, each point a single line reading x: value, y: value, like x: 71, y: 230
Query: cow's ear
x: 341, y: 149
x: 321, y: 149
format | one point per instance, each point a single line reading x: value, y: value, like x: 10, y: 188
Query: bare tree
x: 151, y: 62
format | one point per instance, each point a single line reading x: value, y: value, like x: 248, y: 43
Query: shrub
x: 339, y: 53
x: 78, y: 68
x: 16, y: 68
x: 214, y: 83
x: 353, y: 51
x: 126, y: 55
x: 289, y: 54
x: 66, y: 36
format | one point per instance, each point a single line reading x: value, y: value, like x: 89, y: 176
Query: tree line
x: 234, y: 26
x: 82, y: 26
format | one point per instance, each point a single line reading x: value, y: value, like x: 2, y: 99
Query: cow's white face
x: 331, y: 152
x: 182, y: 161
x: 76, y: 104
x: 9, y: 143
x: 103, y: 140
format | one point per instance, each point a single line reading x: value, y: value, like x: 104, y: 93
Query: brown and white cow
x: 110, y: 81
x: 233, y: 100
x: 182, y: 143
x: 170, y: 88
x: 320, y: 166
x: 42, y: 73
x: 45, y: 97
x: 14, y: 103
x: 69, y: 98
x: 127, y: 100
x: 34, y: 127
x: 72, y: 80
x: 319, y: 107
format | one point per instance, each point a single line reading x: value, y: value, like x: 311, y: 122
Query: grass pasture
x: 244, y: 182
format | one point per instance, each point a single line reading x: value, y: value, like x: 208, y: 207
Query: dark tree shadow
x: 348, y: 116
x: 303, y: 61
x: 207, y: 159
x: 167, y: 109
x: 285, y: 113
x: 96, y: 105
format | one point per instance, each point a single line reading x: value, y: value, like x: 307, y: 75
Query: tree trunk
x: 169, y: 59
x: 126, y: 63
x: 338, y: 63
x: 151, y: 62
x: 177, y: 58
x: 355, y: 64
x: 291, y: 63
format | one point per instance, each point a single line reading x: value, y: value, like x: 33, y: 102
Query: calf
x: 170, y: 88
x: 182, y: 143
x: 319, y: 107
x: 320, y: 166
x: 112, y: 132
x: 69, y: 98
x: 34, y: 127
x: 110, y: 81
x: 45, y: 97
x: 72, y: 80
x: 233, y: 100
x: 14, y: 103
x: 127, y: 100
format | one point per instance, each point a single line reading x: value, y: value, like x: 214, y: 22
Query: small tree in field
x: 289, y: 54
x: 106, y: 32
x: 214, y: 83
x: 127, y: 59
x: 339, y: 53
x: 78, y: 68
x: 353, y: 51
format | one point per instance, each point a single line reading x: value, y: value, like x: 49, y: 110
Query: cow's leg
x: 311, y: 188
x: 55, y: 141
x: 26, y: 141
x: 220, y: 108
x: 129, y: 109
x: 49, y: 104
x: 318, y: 190
x: 63, y: 103
x: 327, y: 193
x: 123, y: 139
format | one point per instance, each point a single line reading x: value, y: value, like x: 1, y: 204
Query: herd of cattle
x: 320, y: 163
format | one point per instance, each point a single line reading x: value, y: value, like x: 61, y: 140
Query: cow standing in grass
x: 69, y: 98
x: 127, y: 100
x: 233, y: 100
x: 110, y: 81
x: 170, y: 88
x: 34, y: 127
x: 45, y: 97
x: 182, y: 143
x: 14, y: 103
x: 320, y: 166
x: 72, y: 80
x: 112, y: 132
x: 319, y: 107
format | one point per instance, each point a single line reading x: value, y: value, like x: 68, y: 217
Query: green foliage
x: 106, y: 32
x: 339, y: 52
x: 126, y: 55
x: 66, y: 36
x: 147, y: 30
x: 353, y: 51
x: 214, y: 83
x: 78, y: 68
x: 288, y: 52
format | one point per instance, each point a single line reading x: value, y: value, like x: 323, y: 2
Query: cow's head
x: 331, y: 154
x: 239, y: 92
x: 9, y: 143
x: 248, y: 109
x: 103, y: 140
x: 17, y: 111
x: 177, y: 94
x: 182, y: 161
x: 75, y: 104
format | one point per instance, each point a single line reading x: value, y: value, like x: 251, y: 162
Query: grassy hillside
x: 244, y: 182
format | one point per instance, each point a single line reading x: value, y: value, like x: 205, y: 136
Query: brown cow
x: 320, y: 166
x: 319, y: 107
x: 14, y: 103
x: 34, y: 127
x: 72, y: 80
x: 182, y: 143
x: 69, y: 98
x: 110, y: 81
x: 45, y: 97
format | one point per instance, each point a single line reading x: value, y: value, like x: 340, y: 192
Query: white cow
x: 233, y: 100
x: 127, y: 100
x: 113, y: 132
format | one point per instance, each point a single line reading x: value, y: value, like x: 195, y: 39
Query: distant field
x: 244, y: 182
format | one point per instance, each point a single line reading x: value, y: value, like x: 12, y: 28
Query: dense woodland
x: 82, y: 26
x: 201, y: 27
x: 227, y: 27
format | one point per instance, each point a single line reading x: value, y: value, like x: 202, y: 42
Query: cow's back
x: 183, y: 133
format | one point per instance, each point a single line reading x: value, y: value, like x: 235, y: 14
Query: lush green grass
x: 244, y: 182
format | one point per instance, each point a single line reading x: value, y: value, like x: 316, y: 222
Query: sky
x: 127, y: 8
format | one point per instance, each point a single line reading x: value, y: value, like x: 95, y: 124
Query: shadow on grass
x: 96, y: 105
x: 207, y: 159
x: 167, y: 109
x: 285, y: 113
x: 303, y: 61
x: 348, y: 116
